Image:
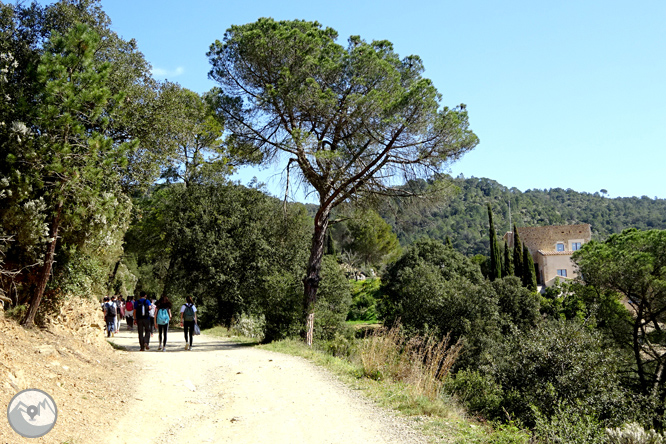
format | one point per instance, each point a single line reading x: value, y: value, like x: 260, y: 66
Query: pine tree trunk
x: 312, y: 277
x: 29, y: 320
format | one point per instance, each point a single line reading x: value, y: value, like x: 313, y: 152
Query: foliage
x: 529, y: 272
x: 333, y: 302
x: 555, y: 364
x: 633, y: 264
x: 495, y: 256
x: 435, y: 288
x: 633, y: 433
x: 371, y: 238
x: 365, y: 296
x: 569, y: 425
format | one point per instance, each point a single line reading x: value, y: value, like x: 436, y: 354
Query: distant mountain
x: 465, y: 219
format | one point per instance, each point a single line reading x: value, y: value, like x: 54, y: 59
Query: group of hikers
x: 149, y: 316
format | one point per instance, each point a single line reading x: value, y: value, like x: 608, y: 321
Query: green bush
x: 333, y: 300
x: 480, y: 393
x: 364, y: 300
x: 559, y: 362
x: 569, y: 425
x: 341, y: 346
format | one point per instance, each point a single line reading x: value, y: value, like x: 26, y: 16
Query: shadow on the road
x: 128, y: 340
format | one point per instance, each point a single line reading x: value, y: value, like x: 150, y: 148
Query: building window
x: 575, y: 246
x: 560, y: 246
x: 562, y: 273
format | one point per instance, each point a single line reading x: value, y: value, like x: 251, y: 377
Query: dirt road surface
x: 224, y: 392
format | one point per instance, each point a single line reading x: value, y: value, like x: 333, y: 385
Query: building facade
x: 551, y: 249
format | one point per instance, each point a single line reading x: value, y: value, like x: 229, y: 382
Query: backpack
x: 129, y: 306
x: 188, y: 314
x: 141, y: 310
x: 162, y: 316
x: 110, y: 309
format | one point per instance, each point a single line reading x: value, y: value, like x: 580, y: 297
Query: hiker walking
x: 116, y: 301
x: 109, y: 316
x: 129, y: 313
x: 142, y: 320
x: 188, y: 317
x: 151, y: 315
x: 162, y: 321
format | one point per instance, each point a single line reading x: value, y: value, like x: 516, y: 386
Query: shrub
x: 249, y: 326
x: 558, y: 362
x: 569, y: 425
x: 333, y: 300
x: 633, y: 433
x: 479, y: 392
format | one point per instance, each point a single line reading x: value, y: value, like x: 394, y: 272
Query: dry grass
x: 421, y: 362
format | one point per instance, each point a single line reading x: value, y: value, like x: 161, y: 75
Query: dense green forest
x: 463, y: 218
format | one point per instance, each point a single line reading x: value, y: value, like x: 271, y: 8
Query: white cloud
x: 159, y: 72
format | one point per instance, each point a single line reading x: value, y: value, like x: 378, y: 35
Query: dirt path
x: 224, y: 392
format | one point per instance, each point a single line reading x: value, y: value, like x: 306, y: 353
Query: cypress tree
x: 507, y: 264
x: 448, y: 242
x: 517, y: 254
x: 495, y: 257
x: 529, y: 273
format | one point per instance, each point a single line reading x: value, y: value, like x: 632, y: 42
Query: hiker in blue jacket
x: 142, y: 320
x: 188, y: 317
x: 162, y: 319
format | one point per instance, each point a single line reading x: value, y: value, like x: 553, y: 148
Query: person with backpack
x: 152, y: 313
x: 162, y: 320
x: 188, y: 318
x: 129, y: 313
x: 142, y: 320
x: 109, y: 317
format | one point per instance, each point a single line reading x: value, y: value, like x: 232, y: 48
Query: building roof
x: 545, y: 238
x: 555, y: 253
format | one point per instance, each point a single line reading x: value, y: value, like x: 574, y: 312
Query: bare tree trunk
x: 312, y: 277
x: 113, y: 275
x: 29, y: 320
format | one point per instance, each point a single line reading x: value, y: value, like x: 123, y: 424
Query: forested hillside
x: 465, y: 219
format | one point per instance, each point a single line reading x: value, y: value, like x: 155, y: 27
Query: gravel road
x: 225, y: 392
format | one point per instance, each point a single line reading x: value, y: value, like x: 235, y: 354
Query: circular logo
x: 32, y: 413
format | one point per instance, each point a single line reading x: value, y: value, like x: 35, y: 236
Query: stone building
x: 551, y: 249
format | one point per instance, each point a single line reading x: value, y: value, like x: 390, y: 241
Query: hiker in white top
x: 152, y: 314
x: 188, y: 317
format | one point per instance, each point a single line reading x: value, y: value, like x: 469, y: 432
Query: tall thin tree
x: 495, y: 257
x: 517, y: 254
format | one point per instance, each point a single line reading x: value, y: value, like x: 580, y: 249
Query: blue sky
x: 568, y: 94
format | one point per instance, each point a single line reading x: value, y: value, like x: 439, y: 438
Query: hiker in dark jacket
x: 188, y: 317
x: 109, y: 316
x: 142, y: 320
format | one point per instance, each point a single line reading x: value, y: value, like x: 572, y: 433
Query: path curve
x: 225, y: 392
